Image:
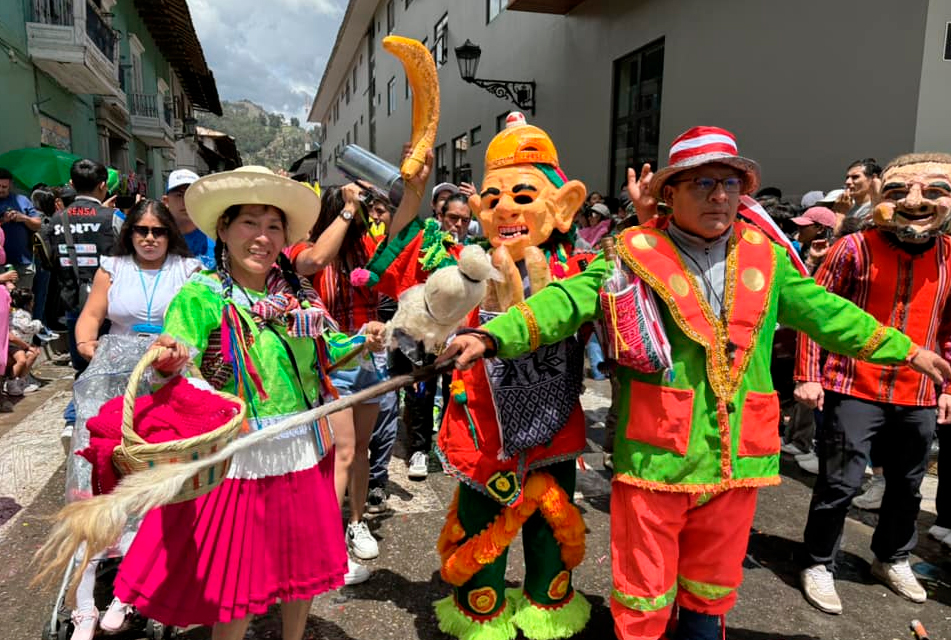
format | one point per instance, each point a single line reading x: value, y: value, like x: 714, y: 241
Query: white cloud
x: 272, y: 53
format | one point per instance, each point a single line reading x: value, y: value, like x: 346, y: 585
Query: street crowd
x: 220, y: 258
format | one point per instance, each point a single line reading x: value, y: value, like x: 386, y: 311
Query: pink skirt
x: 252, y: 542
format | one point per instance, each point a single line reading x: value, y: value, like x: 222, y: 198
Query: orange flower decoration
x: 559, y: 585
x: 457, y: 389
x: 483, y: 600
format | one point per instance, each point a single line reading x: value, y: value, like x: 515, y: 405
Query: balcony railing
x: 72, y: 41
x: 99, y: 32
x: 58, y: 12
x: 144, y: 105
x: 61, y: 13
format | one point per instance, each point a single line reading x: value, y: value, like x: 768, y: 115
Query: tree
x: 295, y: 123
x: 275, y: 120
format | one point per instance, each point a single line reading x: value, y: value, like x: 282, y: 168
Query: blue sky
x: 272, y: 52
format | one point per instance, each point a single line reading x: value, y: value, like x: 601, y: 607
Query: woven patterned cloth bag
x: 634, y: 335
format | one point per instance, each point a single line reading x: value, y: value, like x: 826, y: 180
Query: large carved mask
x: 915, y: 199
x: 524, y: 195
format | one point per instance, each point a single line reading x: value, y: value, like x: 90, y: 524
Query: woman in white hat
x: 270, y: 531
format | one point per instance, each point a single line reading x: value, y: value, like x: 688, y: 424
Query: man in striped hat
x: 697, y: 440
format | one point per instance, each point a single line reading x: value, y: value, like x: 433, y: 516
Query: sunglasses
x: 144, y: 231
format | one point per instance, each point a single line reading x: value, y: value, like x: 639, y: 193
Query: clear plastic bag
x: 105, y: 378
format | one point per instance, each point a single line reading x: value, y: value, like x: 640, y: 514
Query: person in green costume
x: 696, y: 440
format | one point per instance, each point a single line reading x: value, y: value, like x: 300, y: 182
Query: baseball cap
x: 444, y: 186
x: 831, y: 197
x: 181, y: 177
x: 816, y: 215
x: 811, y: 198
x: 769, y: 192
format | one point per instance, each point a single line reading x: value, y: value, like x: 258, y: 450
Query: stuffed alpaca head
x: 432, y: 311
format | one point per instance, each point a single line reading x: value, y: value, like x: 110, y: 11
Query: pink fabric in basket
x: 168, y: 414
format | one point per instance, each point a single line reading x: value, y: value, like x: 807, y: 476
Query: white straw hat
x: 209, y: 196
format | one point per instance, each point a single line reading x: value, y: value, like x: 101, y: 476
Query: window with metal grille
x: 391, y: 96
x: 461, y: 170
x: 441, y: 41
x: 493, y: 8
x: 442, y: 172
x: 636, y: 110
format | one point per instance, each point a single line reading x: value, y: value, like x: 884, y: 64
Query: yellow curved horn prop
x: 423, y: 80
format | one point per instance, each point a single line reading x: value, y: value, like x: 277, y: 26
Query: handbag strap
x: 71, y: 247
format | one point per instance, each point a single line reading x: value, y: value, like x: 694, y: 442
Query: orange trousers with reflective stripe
x: 659, y: 537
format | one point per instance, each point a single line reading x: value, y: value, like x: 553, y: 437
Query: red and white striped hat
x: 704, y: 145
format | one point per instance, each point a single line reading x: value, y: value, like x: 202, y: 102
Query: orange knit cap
x: 520, y: 143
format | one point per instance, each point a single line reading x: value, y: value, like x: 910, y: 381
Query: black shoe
x: 376, y: 500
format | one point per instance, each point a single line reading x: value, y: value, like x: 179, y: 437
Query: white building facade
x: 806, y: 86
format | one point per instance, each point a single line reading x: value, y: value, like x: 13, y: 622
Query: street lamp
x: 189, y: 128
x: 521, y: 93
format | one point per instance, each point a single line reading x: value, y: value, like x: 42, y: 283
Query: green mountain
x: 263, y: 138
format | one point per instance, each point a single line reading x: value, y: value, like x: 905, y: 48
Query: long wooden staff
x: 98, y: 522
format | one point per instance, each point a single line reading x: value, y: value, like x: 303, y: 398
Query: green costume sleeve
x: 835, y: 323
x: 192, y: 315
x: 559, y: 310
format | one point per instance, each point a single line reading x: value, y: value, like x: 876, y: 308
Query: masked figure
x: 697, y: 434
x: 512, y: 427
x: 900, y: 272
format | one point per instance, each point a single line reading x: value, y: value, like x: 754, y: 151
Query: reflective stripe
x: 705, y: 590
x: 656, y: 603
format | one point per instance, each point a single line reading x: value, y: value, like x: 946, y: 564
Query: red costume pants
x: 671, y: 547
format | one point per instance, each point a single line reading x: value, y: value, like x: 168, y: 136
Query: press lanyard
x: 148, y: 327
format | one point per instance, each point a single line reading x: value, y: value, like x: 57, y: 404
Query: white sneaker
x: 66, y: 438
x: 115, y: 616
x: 819, y: 589
x: 792, y: 449
x: 808, y: 462
x: 941, y: 534
x: 872, y: 498
x: 84, y: 624
x: 361, y: 542
x: 900, y: 578
x: 28, y: 387
x: 356, y: 573
x: 418, y: 466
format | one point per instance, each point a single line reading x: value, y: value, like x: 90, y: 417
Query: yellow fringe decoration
x: 460, y: 563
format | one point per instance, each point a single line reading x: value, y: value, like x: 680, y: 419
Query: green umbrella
x: 33, y: 165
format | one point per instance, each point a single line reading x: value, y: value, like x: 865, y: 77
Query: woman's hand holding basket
x: 175, y: 357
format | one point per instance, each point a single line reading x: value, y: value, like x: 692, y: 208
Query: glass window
x: 636, y: 119
x: 408, y: 3
x: 390, y: 16
x: 475, y: 136
x: 355, y: 133
x: 442, y: 172
x: 347, y: 92
x: 391, y: 96
x: 500, y: 121
x: 354, y: 79
x: 461, y: 171
x: 493, y: 8
x: 441, y: 41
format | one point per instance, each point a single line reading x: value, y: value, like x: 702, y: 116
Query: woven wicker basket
x: 135, y: 454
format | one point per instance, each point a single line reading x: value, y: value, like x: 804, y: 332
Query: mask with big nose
x: 915, y: 200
